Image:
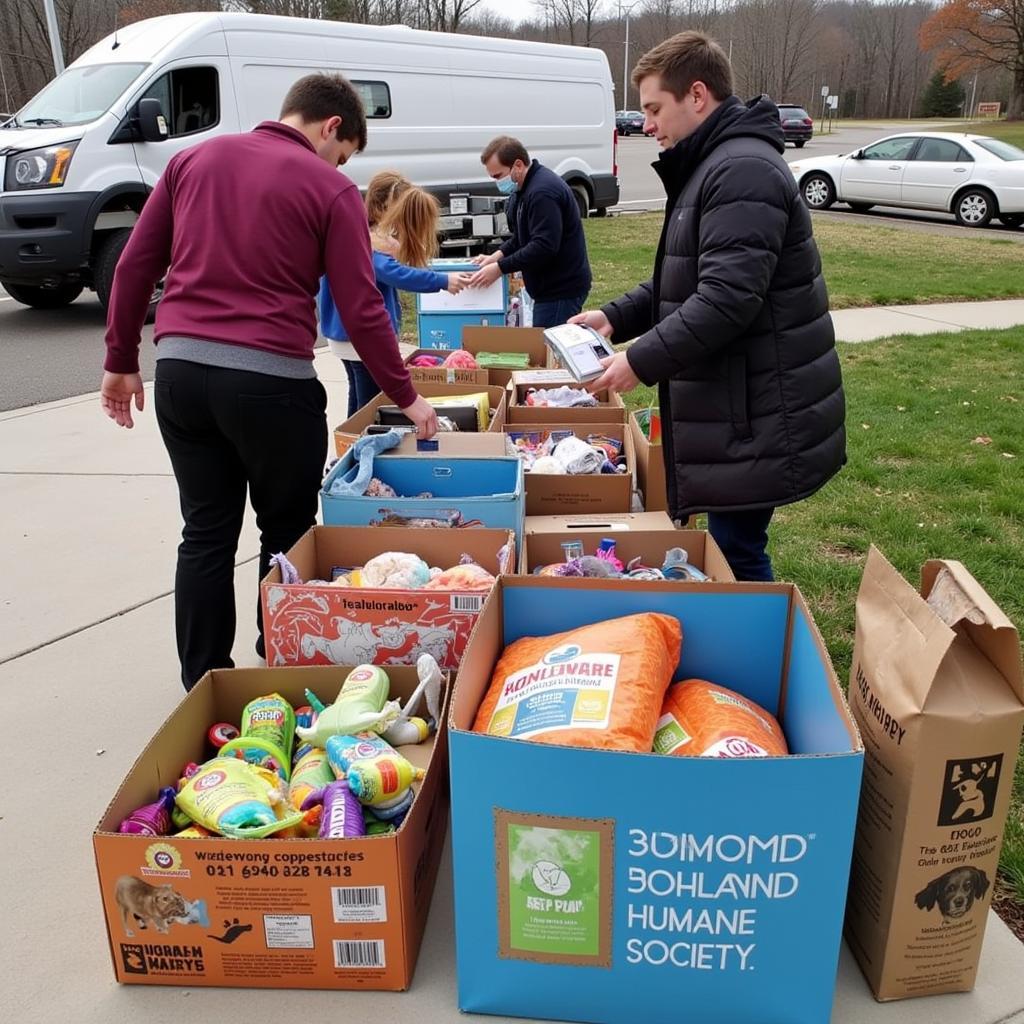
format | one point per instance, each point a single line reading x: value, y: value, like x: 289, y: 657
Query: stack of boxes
x: 590, y: 884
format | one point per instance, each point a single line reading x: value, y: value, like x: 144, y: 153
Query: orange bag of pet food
x: 596, y: 686
x: 700, y: 719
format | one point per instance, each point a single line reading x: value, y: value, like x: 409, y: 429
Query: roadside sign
x: 833, y: 102
x: 824, y: 90
x: 989, y: 109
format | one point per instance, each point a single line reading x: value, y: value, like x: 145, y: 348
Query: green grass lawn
x: 865, y: 265
x: 1008, y: 131
x: 935, y: 430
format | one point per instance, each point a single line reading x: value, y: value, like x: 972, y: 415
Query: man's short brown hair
x: 321, y: 96
x: 507, y: 149
x: 684, y: 59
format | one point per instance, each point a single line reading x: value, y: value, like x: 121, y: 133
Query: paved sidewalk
x: 88, y: 672
x: 883, y: 321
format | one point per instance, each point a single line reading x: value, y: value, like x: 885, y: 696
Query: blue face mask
x: 506, y: 186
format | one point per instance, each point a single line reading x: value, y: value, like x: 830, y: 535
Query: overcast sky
x: 514, y: 10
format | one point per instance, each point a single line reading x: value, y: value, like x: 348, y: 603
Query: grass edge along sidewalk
x: 935, y: 428
x: 864, y: 264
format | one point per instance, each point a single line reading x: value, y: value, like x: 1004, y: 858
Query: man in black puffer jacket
x: 733, y: 325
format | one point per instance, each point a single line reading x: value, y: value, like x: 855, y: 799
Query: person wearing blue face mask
x: 547, y: 243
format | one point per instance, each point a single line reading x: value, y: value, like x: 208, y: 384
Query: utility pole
x: 625, y: 60
x: 974, y: 90
x: 53, y: 30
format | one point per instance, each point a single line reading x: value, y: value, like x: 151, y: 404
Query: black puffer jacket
x: 734, y: 324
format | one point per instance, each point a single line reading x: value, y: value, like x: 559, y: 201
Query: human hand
x: 485, y: 276
x: 485, y: 259
x: 596, y: 319
x: 458, y: 281
x: 618, y: 374
x: 424, y: 418
x: 116, y: 393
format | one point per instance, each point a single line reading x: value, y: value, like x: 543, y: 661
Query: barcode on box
x: 466, y: 602
x: 364, y: 953
x: 359, y: 903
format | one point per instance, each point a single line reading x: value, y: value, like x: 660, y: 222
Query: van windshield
x: 79, y: 95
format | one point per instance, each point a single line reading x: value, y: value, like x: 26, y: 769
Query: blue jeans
x: 743, y: 537
x: 551, y: 314
x: 362, y: 388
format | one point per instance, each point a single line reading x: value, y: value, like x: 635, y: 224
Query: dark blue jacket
x: 547, y: 242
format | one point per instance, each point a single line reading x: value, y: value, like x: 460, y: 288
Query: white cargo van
x: 77, y: 162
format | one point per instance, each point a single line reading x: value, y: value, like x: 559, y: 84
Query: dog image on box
x: 953, y: 893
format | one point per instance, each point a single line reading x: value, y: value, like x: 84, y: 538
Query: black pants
x: 743, y: 538
x: 226, y: 430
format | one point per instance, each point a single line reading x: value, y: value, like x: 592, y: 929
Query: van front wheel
x: 104, y: 265
x: 38, y: 297
x: 582, y: 200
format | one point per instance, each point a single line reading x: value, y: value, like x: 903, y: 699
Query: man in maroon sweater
x: 243, y: 227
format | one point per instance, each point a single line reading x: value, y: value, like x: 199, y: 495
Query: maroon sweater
x: 244, y: 226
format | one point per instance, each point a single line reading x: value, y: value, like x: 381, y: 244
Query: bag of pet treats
x: 937, y: 691
x: 597, y: 686
x: 700, y: 719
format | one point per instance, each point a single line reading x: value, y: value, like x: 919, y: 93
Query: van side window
x: 376, y: 97
x: 190, y: 98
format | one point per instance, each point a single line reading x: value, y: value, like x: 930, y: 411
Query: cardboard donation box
x: 609, y: 408
x: 644, y: 535
x: 937, y: 691
x: 442, y: 317
x: 381, y: 408
x: 443, y: 374
x: 464, y: 492
x: 557, y: 493
x: 274, y: 912
x: 317, y: 623
x: 650, y: 468
x: 524, y: 340
x: 607, y: 886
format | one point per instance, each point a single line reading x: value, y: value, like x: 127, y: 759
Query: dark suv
x: 797, y: 125
x: 629, y: 122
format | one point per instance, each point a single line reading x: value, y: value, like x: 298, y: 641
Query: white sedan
x: 974, y: 177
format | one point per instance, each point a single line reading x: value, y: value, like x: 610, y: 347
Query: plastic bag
x: 701, y: 719
x: 597, y: 686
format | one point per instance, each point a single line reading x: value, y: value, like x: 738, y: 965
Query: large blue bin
x: 440, y: 317
x: 466, y: 490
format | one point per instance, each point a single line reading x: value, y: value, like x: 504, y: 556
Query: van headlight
x: 39, y: 168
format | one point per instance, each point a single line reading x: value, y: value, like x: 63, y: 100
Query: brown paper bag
x: 937, y: 691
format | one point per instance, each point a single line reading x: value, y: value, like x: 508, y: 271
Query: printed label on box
x: 288, y: 931
x: 359, y: 904
x: 330, y: 626
x: 562, y: 691
x: 555, y: 888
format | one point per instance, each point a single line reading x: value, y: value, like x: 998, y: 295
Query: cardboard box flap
x: 957, y: 598
x: 506, y: 339
x: 924, y: 639
x: 632, y: 521
x: 479, y: 445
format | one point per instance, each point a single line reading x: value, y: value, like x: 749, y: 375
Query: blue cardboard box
x: 441, y: 316
x: 613, y: 887
x: 466, y: 491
